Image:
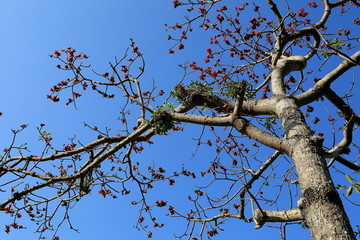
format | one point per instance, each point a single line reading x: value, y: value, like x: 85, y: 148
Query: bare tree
x: 257, y: 82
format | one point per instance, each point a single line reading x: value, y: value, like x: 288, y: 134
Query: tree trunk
x: 319, y: 203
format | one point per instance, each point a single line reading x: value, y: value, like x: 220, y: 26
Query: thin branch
x: 239, y: 98
x: 86, y: 148
x: 214, y: 218
x: 86, y: 169
x: 254, y: 177
x: 342, y: 146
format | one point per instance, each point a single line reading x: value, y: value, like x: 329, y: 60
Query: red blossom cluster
x: 8, y: 210
x: 160, y: 203
x: 343, y: 32
x: 171, y: 210
x: 104, y: 192
x: 63, y: 172
x: 302, y: 13
x: 138, y: 149
x: 199, y: 193
x: 177, y: 3
x: 71, y: 57
x: 70, y: 61
x: 212, y: 232
x: 312, y: 4
x: 69, y: 147
x: 12, y: 225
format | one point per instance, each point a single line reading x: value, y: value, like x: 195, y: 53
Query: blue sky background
x: 31, y: 30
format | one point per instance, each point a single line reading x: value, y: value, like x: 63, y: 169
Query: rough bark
x: 319, y: 203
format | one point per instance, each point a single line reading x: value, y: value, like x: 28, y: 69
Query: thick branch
x: 240, y: 124
x: 250, y: 107
x: 283, y: 67
x: 239, y: 98
x: 281, y: 38
x: 342, y: 106
x: 276, y: 12
x: 342, y: 146
x: 347, y: 163
x: 262, y: 216
x: 319, y: 88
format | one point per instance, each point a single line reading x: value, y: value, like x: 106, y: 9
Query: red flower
x: 309, y: 108
x: 212, y: 232
x: 331, y: 119
x: 312, y: 4
x: 221, y: 9
x: 104, y: 192
x: 160, y: 203
x: 171, y: 182
x: 71, y: 50
x: 302, y: 13
x: 220, y: 18
x: 57, y: 53
x: 199, y: 193
x: 76, y: 95
x: 171, y: 209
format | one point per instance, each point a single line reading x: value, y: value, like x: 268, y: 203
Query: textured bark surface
x: 319, y: 203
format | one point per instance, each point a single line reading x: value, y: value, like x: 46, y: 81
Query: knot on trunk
x: 318, y: 140
x: 319, y: 195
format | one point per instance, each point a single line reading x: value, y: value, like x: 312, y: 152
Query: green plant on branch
x: 180, y: 93
x: 333, y: 44
x: 354, y: 185
x: 160, y: 122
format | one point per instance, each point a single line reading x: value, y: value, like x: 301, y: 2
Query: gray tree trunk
x: 319, y: 203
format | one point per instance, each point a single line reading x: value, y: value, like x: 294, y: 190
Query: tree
x: 255, y: 80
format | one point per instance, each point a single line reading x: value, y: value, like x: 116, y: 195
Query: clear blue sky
x: 31, y: 30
